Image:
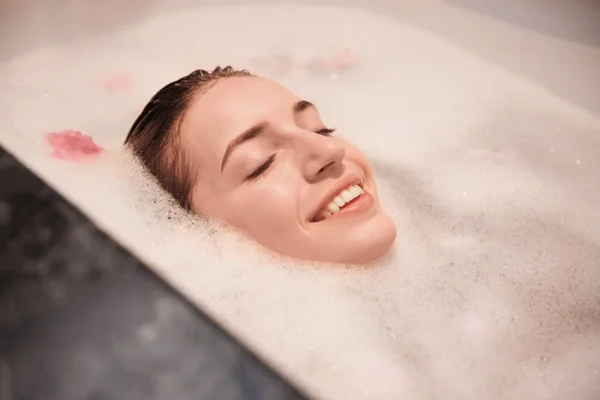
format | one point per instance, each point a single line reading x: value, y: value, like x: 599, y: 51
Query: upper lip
x: 348, y: 180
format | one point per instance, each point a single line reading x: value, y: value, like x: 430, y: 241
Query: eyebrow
x: 256, y: 130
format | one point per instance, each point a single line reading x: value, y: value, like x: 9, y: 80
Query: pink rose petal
x: 337, y: 62
x: 280, y: 64
x: 118, y: 82
x: 345, y: 59
x: 72, y: 145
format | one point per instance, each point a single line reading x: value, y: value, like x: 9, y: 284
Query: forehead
x: 233, y: 103
x: 231, y: 106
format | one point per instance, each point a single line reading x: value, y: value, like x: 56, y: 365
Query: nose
x: 323, y: 156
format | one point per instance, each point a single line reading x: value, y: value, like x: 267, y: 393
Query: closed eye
x: 325, y: 131
x: 263, y: 167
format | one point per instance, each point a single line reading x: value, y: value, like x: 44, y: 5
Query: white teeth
x: 339, y: 201
x: 347, y: 196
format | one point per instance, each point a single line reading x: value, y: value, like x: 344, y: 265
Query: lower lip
x: 363, y: 203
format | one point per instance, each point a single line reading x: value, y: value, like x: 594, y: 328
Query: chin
x: 375, y: 250
x: 367, y: 245
x: 363, y: 245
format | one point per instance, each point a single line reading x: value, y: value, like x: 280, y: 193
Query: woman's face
x: 269, y: 165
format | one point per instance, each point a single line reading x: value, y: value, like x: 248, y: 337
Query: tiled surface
x: 82, y: 319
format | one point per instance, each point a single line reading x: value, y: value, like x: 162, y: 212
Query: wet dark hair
x: 154, y: 136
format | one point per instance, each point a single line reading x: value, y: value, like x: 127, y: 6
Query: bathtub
x: 58, y: 337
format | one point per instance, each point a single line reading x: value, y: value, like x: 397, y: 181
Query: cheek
x: 355, y: 155
x: 266, y: 207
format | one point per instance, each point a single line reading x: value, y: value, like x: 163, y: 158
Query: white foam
x: 493, y: 289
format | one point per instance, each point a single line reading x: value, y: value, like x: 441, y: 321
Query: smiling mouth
x: 343, y: 199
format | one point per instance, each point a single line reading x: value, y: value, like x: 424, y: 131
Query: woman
x: 244, y: 150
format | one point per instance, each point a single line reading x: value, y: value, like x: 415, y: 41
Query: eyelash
x: 259, y: 171
x: 325, y: 131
